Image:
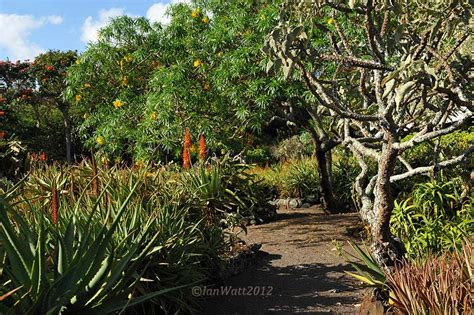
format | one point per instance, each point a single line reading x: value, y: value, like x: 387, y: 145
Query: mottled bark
x: 386, y: 249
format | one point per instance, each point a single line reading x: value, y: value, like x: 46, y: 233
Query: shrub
x: 437, y: 285
x: 260, y: 156
x: 76, y: 268
x: 295, y: 147
x: 426, y: 285
x: 433, y: 219
x: 12, y: 159
x: 292, y: 179
x: 345, y: 170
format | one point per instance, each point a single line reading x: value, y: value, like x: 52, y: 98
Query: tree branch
x: 426, y: 169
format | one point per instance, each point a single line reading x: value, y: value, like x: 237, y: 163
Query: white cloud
x: 157, y: 12
x: 55, y: 19
x: 15, y: 31
x: 90, y: 28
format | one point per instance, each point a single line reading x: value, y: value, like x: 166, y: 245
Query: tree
x: 400, y: 80
x: 48, y: 71
x: 109, y: 85
x: 32, y: 103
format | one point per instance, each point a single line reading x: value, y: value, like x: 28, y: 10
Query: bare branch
x: 356, y: 62
x: 371, y: 34
x: 423, y: 136
x: 426, y: 169
x: 317, y: 89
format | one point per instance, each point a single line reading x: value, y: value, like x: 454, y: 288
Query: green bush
x: 260, y: 156
x: 295, y: 147
x: 292, y: 179
x: 344, y: 172
x: 74, y: 266
x: 433, y: 218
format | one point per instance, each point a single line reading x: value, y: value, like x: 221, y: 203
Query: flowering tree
x: 32, y: 103
x: 109, y: 83
x: 398, y: 81
x: 48, y: 71
x: 15, y: 86
x: 141, y: 85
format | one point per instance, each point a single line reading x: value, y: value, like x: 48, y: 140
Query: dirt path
x: 297, y: 267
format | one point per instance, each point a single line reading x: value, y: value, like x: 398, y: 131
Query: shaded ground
x: 297, y: 271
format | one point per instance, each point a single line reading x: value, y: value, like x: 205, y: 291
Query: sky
x: 30, y: 27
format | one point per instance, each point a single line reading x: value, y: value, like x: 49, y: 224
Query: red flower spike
x: 202, y: 148
x: 187, y: 144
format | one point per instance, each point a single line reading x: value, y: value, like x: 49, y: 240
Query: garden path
x: 299, y: 262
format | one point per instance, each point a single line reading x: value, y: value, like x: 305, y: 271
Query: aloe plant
x: 78, y: 269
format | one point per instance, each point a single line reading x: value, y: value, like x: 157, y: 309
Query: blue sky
x: 29, y: 27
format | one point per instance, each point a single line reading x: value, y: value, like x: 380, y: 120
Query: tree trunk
x: 68, y: 134
x: 386, y: 249
x: 323, y: 159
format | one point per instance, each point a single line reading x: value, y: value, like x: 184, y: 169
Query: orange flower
x: 78, y: 98
x: 2, y: 134
x: 54, y: 204
x: 202, y: 148
x: 49, y: 68
x: 187, y: 144
x: 187, y: 138
x: 43, y: 156
x: 2, y: 113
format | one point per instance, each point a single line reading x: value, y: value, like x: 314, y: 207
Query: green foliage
x: 78, y: 267
x: 433, y: 219
x: 109, y: 82
x: 230, y: 193
x: 344, y: 172
x: 293, y: 179
x: 295, y: 147
x: 203, y: 71
x: 367, y: 269
x: 32, y: 99
x: 153, y: 225
x: 260, y: 155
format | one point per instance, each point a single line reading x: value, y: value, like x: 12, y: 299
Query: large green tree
x: 204, y: 71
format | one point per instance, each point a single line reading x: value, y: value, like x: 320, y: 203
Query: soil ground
x: 297, y: 269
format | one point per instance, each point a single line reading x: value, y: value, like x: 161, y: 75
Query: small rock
x: 294, y: 203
